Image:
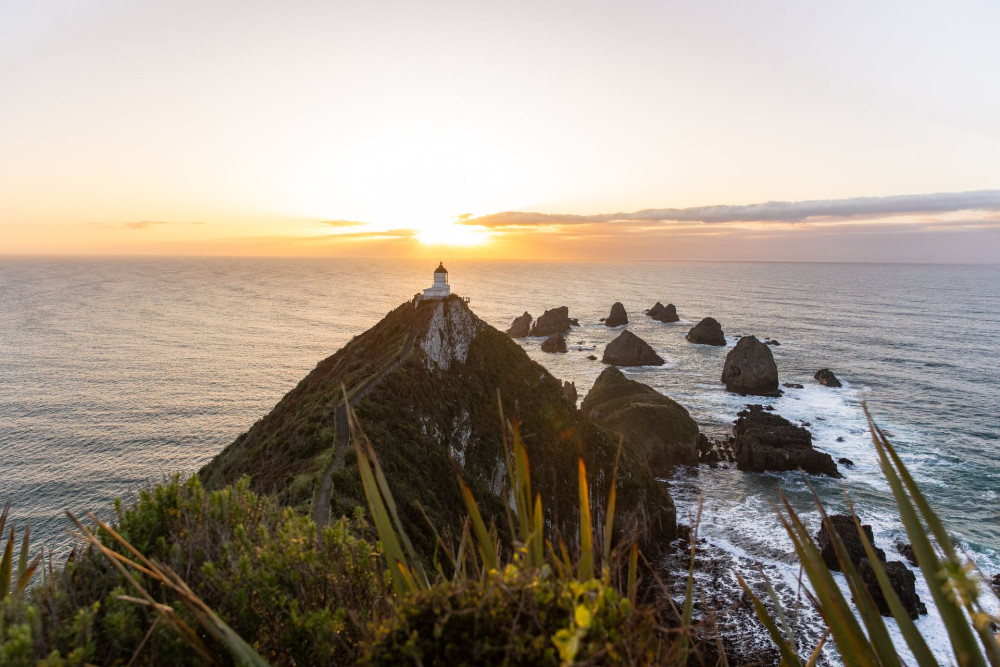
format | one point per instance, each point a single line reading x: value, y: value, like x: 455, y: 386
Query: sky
x: 633, y: 129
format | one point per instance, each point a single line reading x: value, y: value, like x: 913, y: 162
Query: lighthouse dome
x: 440, y: 268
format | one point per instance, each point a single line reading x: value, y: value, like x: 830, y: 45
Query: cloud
x: 138, y: 224
x: 774, y: 211
x: 144, y: 224
x: 342, y: 223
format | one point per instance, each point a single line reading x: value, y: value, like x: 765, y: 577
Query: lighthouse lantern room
x: 440, y: 289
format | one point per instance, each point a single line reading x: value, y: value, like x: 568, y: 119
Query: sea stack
x: 630, y: 350
x: 617, y: 317
x: 551, y: 322
x: 707, y: 332
x: 521, y: 326
x: 554, y: 343
x: 750, y: 369
x: 661, y: 313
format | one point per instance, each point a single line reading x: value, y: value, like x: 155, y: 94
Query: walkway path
x: 321, y: 505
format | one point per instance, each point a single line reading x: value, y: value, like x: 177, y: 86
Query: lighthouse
x: 440, y: 289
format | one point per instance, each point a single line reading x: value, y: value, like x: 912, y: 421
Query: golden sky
x: 398, y: 128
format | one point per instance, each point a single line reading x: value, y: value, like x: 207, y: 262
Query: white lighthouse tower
x: 440, y: 289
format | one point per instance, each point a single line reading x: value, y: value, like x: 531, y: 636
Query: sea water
x: 117, y: 373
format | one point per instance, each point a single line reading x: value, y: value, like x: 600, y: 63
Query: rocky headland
x: 655, y: 426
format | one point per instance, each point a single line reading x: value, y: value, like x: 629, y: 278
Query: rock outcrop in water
x: 521, y: 326
x: 826, y: 377
x: 569, y: 391
x: 630, y: 350
x: 552, y: 321
x: 766, y: 441
x: 662, y: 313
x: 617, y: 317
x: 424, y: 384
x: 707, y: 332
x: 654, y: 425
x: 902, y: 580
x: 554, y: 343
x: 750, y: 369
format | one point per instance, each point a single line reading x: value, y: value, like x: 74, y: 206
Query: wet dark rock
x: 630, y: 350
x: 769, y: 408
x: 840, y: 438
x: 844, y: 526
x: 707, y: 332
x: 995, y: 583
x: 617, y: 317
x: 792, y: 385
x: 766, y: 441
x: 771, y: 341
x: 844, y: 461
x: 573, y: 322
x: 662, y: 313
x: 569, y: 391
x: 556, y: 343
x: 653, y: 425
x: 750, y: 369
x: 520, y: 327
x: 906, y: 551
x: 551, y: 322
x: 826, y: 377
x: 592, y: 357
x: 902, y: 579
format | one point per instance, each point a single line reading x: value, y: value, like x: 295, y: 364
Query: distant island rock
x: 569, y: 391
x: 630, y: 350
x: 826, y: 377
x: 552, y: 321
x: 521, y: 326
x: 554, y: 343
x: 707, y: 332
x: 662, y: 313
x: 617, y: 317
x: 750, y: 369
x: 766, y: 441
x: 902, y: 580
x: 656, y: 426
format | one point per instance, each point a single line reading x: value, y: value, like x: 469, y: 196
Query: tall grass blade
x: 5, y: 564
x: 609, y: 520
x: 633, y: 568
x: 847, y: 633
x: 487, y: 550
x: 683, y: 642
x: 912, y: 637
x: 585, y: 568
x: 788, y: 655
x: 963, y: 642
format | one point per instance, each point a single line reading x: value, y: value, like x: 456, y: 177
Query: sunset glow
x: 247, y: 130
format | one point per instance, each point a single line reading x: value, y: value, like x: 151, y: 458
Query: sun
x: 453, y: 234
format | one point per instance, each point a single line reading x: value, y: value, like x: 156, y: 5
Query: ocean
x: 116, y: 373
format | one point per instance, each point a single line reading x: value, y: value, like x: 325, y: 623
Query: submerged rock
x: 826, y: 377
x: 707, y: 332
x: 766, y: 441
x: 653, y: 425
x: 750, y: 369
x: 630, y: 350
x: 901, y: 579
x: 552, y: 321
x: 520, y: 327
x: 592, y: 357
x: 793, y: 385
x: 617, y: 317
x: 844, y: 461
x: 555, y: 343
